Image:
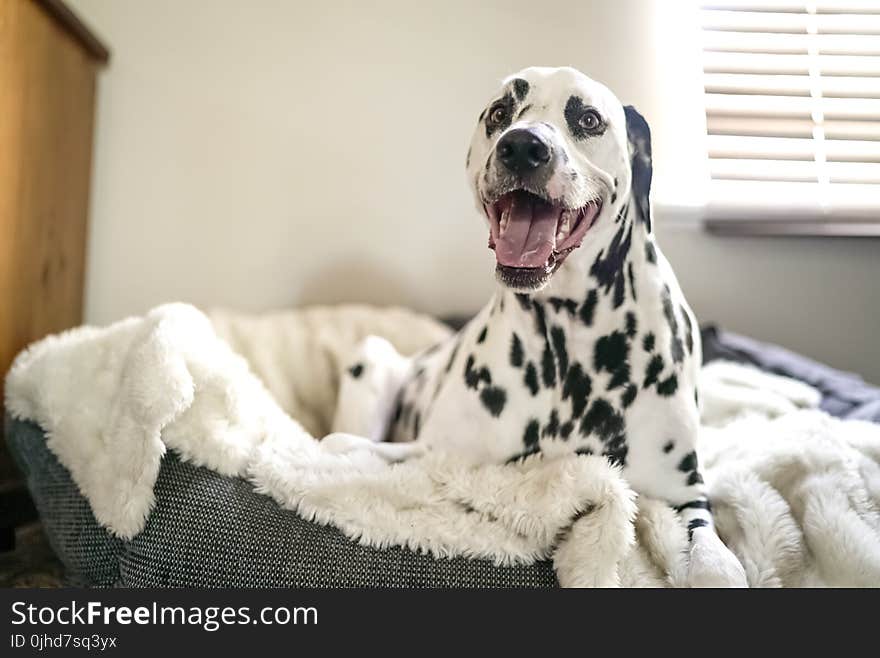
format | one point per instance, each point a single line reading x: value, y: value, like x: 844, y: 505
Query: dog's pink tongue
x: 530, y: 235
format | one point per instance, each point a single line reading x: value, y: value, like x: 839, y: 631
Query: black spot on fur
x: 675, y: 346
x: 631, y: 324
x: 482, y: 336
x: 610, y: 354
x: 548, y: 367
x: 619, y: 378
x: 531, y: 378
x: 688, y: 463
x: 668, y: 386
x: 531, y: 436
x: 559, y: 303
x: 470, y: 375
x: 540, y: 320
x: 601, y: 419
x: 700, y: 503
x: 521, y: 456
x: 629, y: 395
x: 493, y: 398
x: 520, y: 88
x: 565, y: 429
x: 608, y: 268
x: 557, y: 336
x: 524, y: 301
x: 588, y: 308
x: 694, y: 524
x: 356, y: 370
x: 453, y: 354
x: 574, y: 110
x: 473, y: 377
x: 632, y: 280
x: 551, y: 429
x: 577, y: 386
x: 653, y: 370
x: 688, y: 331
x: 669, y: 447
x: 516, y: 352
x: 587, y: 452
x: 417, y: 423
x: 467, y: 160
x: 650, y: 252
x: 648, y: 342
x: 616, y: 450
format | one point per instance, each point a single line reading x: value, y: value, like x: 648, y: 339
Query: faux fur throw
x: 796, y: 493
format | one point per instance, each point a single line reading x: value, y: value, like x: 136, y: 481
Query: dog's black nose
x: 522, y: 151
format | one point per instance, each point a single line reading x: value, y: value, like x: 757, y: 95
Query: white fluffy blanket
x: 796, y: 493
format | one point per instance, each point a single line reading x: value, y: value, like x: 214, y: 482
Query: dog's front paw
x: 341, y: 443
x: 712, y: 564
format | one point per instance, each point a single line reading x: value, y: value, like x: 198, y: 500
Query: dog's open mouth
x: 532, y: 236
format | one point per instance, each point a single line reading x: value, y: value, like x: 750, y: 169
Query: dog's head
x: 554, y: 159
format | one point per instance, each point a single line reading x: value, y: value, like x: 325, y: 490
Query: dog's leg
x: 342, y: 443
x: 710, y: 563
x: 368, y: 389
x: 662, y: 464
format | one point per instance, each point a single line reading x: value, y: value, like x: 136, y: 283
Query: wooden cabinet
x: 49, y: 63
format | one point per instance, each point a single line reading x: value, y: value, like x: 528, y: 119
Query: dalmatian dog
x: 587, y: 345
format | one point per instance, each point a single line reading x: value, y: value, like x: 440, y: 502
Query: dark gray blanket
x: 844, y: 394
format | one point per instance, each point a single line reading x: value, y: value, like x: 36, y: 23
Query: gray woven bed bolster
x: 208, y: 530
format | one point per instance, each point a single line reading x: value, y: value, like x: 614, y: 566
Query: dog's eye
x: 590, y: 121
x: 497, y: 114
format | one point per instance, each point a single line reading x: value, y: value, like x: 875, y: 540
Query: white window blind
x: 793, y: 109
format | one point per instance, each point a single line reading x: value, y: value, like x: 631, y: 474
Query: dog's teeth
x: 505, y: 219
x: 564, y: 226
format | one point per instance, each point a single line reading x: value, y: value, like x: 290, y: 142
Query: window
x: 792, y: 93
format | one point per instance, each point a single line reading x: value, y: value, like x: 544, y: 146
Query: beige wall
x: 267, y: 153
x: 816, y: 296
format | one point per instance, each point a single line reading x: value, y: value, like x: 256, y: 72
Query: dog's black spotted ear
x: 639, y: 135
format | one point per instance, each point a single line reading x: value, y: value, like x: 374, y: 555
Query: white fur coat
x: 796, y: 493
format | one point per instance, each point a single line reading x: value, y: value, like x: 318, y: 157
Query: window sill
x: 789, y: 228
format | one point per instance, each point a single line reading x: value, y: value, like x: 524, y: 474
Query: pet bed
x: 177, y: 466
